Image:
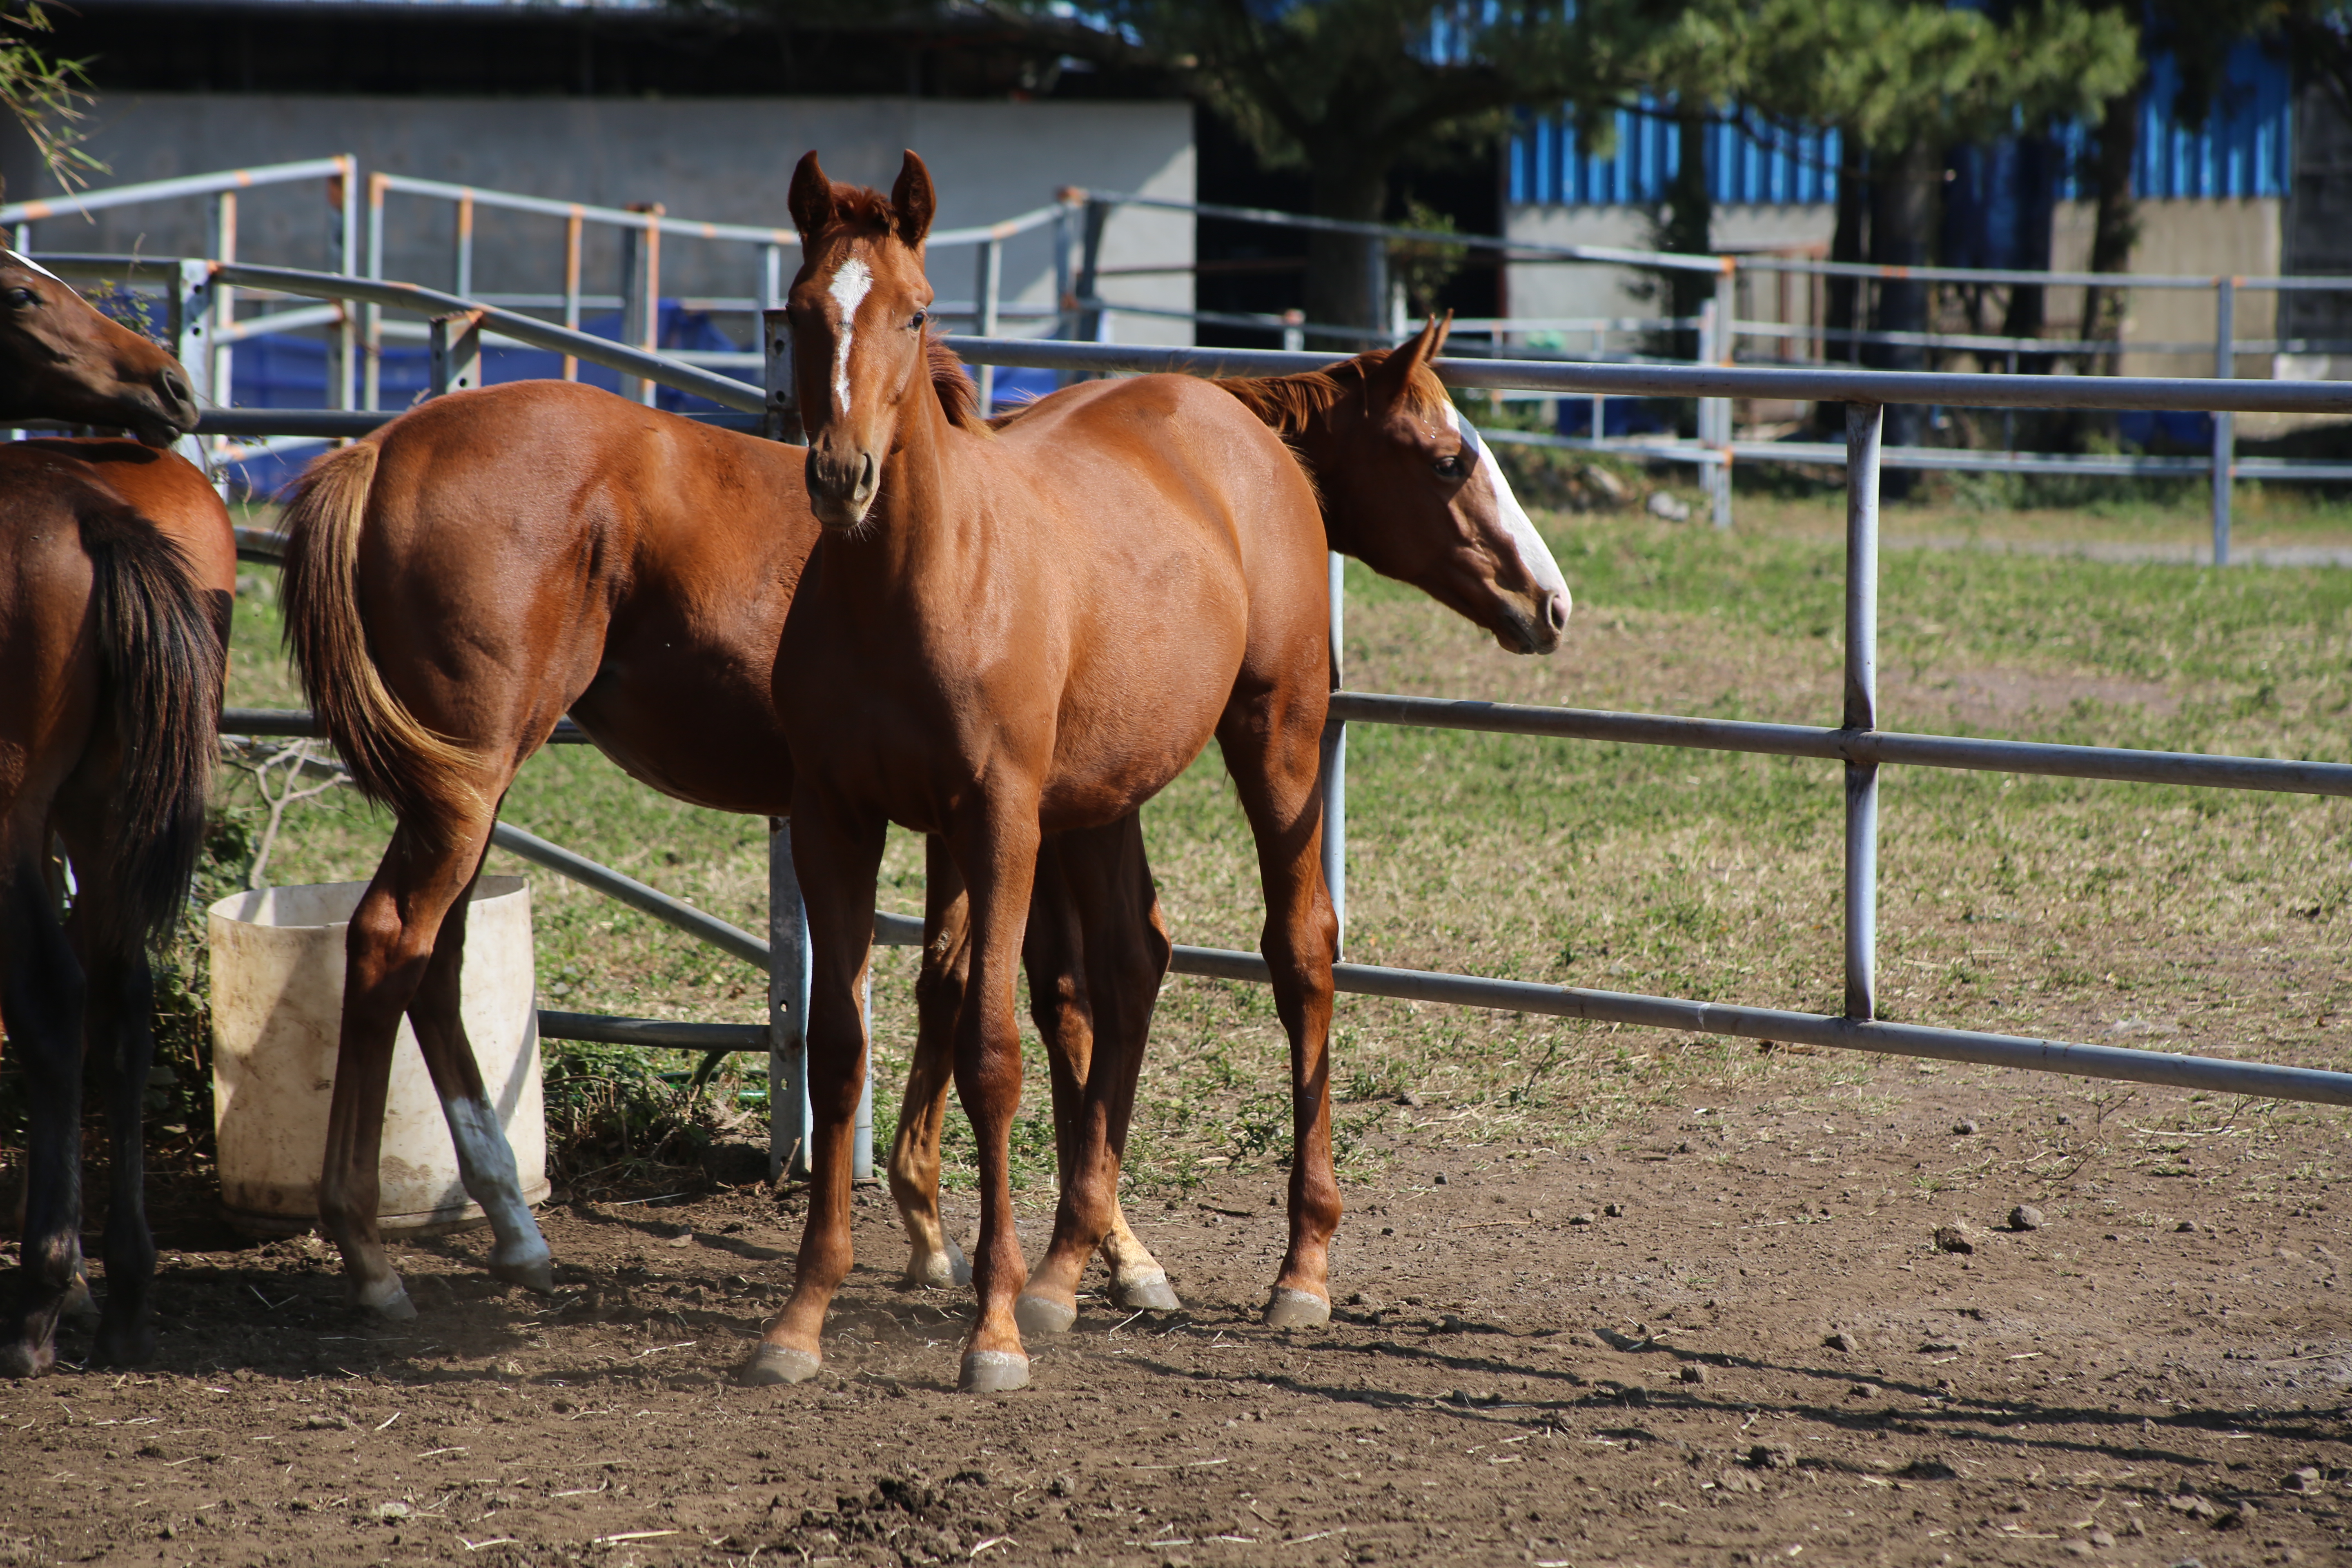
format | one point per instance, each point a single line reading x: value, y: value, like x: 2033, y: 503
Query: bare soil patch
x: 1723, y: 1333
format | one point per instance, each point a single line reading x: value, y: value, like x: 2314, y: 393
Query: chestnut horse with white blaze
x: 117, y: 569
x: 460, y: 579
x: 1003, y: 635
x: 1407, y: 488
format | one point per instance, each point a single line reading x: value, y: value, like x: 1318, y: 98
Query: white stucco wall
x: 721, y: 160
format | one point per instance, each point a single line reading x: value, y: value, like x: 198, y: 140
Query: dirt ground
x: 1728, y: 1336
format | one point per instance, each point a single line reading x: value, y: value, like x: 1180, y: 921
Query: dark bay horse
x: 461, y: 578
x: 117, y: 567
x: 1007, y: 634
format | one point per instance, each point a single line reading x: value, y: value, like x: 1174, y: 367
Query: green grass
x: 2184, y: 919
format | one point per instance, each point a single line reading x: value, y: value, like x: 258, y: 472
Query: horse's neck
x: 927, y: 525
x: 1317, y: 448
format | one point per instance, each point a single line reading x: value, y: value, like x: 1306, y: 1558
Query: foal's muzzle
x: 841, y: 485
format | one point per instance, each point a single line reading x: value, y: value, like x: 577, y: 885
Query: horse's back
x: 1178, y: 436
x: 540, y: 544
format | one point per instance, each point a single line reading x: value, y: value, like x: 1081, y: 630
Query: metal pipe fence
x: 1857, y: 744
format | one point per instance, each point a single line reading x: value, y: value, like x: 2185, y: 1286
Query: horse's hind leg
x: 485, y: 1162
x: 1273, y: 752
x: 387, y: 952
x: 1098, y: 945
x: 41, y: 996
x: 119, y: 1030
x: 933, y: 1258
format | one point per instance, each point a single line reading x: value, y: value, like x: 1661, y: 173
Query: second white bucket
x: 277, y: 1003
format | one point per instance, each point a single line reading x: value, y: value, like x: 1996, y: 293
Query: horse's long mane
x: 1289, y: 404
x: 957, y: 395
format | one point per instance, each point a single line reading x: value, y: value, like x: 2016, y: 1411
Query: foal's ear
x: 810, y: 199
x: 912, y: 200
x: 1393, y: 381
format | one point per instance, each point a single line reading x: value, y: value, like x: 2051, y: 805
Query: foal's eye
x: 1451, y: 468
x: 921, y: 317
x: 17, y: 299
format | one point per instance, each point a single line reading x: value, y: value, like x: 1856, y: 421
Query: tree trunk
x: 2115, y: 226
x: 1841, y: 295
x: 1902, y: 234
x: 1686, y: 223
x: 1346, y: 272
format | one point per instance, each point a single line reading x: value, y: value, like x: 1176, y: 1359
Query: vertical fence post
x: 641, y: 294
x: 1709, y: 468
x: 1334, y: 766
x: 343, y: 244
x: 1090, y: 315
x: 986, y: 284
x: 782, y: 419
x: 1066, y: 297
x: 371, y: 316
x: 2225, y: 425
x: 772, y: 276
x: 1864, y: 424
x: 223, y: 300
x: 789, y: 958
x: 461, y: 270
x: 1727, y: 337
x: 1600, y: 404
x: 574, y: 244
x: 1294, y: 330
x: 188, y: 326
x: 456, y: 340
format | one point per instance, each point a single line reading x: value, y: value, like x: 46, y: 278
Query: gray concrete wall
x: 720, y: 160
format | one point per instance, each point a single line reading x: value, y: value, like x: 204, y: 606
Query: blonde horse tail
x: 393, y: 757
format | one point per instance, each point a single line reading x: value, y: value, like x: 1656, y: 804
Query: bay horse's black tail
x: 164, y: 655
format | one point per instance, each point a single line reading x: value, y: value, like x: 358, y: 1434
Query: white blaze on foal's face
x: 1535, y: 555
x: 851, y: 282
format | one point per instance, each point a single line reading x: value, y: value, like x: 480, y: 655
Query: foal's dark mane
x: 1289, y: 402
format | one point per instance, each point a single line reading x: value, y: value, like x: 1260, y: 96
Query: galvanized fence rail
x: 1857, y: 744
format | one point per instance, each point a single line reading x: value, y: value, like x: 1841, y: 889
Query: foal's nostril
x: 866, y: 476
x: 1556, y: 612
x: 174, y: 387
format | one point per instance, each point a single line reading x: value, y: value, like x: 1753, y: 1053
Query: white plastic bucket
x: 277, y: 1003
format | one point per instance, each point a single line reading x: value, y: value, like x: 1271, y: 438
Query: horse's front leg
x: 836, y: 859
x: 1271, y: 746
x: 996, y: 850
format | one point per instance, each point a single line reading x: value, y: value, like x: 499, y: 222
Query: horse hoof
x: 780, y: 1364
x: 1149, y: 1292
x: 388, y: 1299
x: 942, y: 1270
x: 25, y: 1360
x: 132, y: 1346
x: 993, y: 1371
x: 79, y: 1307
x: 1041, y: 1315
x: 1288, y: 1309
x: 536, y: 1275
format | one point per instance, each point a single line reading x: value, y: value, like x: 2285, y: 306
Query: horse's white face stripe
x: 1535, y: 555
x: 26, y: 262
x: 850, y: 283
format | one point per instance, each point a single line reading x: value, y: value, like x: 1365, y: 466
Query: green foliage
x: 1893, y: 72
x: 45, y: 95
